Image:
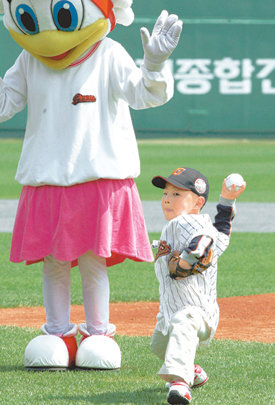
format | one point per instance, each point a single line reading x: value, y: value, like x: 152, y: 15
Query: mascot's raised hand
x: 164, y: 39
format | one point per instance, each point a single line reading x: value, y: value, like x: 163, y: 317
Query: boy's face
x: 175, y: 202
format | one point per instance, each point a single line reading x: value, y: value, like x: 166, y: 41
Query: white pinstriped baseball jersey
x: 198, y: 290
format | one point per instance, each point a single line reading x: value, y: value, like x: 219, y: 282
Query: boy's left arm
x: 194, y: 259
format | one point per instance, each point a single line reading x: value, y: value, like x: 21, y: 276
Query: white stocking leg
x: 56, y: 290
x: 96, y: 291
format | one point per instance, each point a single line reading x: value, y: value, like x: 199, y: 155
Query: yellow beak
x: 58, y: 49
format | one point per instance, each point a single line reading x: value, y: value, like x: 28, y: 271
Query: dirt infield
x: 249, y: 318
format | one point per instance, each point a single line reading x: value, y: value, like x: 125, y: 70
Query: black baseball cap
x: 185, y: 178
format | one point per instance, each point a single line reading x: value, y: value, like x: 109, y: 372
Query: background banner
x: 224, y: 68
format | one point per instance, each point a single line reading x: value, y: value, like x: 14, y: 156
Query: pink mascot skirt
x: 104, y: 216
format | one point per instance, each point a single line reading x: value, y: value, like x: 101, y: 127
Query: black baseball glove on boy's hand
x: 199, y: 252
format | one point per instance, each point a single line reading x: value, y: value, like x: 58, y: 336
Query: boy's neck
x: 194, y: 211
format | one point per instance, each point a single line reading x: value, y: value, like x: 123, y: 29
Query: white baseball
x: 236, y: 179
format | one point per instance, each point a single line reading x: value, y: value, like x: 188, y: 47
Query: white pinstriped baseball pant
x: 178, y: 348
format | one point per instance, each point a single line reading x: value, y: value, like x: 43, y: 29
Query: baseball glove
x: 177, y: 271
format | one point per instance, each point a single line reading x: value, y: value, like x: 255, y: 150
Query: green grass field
x: 215, y: 158
x: 240, y: 372
x: 130, y: 281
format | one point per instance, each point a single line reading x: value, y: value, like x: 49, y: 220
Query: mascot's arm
x: 138, y: 87
x: 153, y: 84
x: 13, y: 91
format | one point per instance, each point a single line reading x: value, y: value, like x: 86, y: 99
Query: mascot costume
x: 79, y: 204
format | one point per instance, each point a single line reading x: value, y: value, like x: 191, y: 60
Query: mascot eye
x: 26, y: 19
x: 67, y: 15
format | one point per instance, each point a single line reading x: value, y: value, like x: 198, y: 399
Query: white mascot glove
x: 164, y: 39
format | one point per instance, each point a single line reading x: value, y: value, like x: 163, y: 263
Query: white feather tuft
x: 122, y: 3
x: 123, y: 11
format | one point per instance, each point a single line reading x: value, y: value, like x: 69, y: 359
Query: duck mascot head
x: 58, y: 32
x: 79, y: 203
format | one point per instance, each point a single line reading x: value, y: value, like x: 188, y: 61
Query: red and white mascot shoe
x: 51, y: 352
x: 98, y: 352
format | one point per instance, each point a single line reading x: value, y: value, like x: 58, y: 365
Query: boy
x: 186, y: 268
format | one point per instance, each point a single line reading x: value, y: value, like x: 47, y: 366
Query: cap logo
x: 178, y: 171
x: 200, y: 186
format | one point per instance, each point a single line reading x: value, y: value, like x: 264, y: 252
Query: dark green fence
x: 224, y: 68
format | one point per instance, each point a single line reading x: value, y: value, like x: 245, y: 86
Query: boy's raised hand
x: 164, y: 39
x: 232, y: 194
